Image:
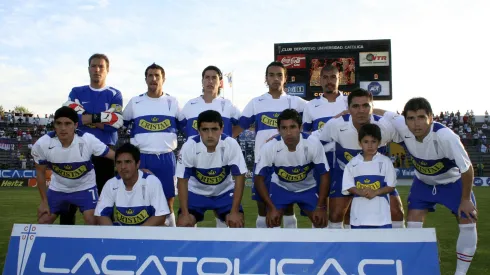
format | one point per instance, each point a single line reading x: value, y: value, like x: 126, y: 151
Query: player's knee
x: 336, y: 215
x: 397, y: 213
x: 289, y: 210
x: 261, y: 209
x: 46, y: 219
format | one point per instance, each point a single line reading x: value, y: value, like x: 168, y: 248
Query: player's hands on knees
x: 42, y: 210
x: 273, y: 218
x: 235, y: 220
x: 468, y: 208
x: 185, y: 220
x: 319, y: 217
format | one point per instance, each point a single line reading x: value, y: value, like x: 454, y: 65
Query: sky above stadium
x: 439, y: 48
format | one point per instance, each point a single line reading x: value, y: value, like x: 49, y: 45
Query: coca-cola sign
x: 296, y: 61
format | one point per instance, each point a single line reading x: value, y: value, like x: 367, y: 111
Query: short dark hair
x: 371, y: 130
x: 67, y: 112
x: 289, y: 114
x: 209, y: 116
x: 99, y: 56
x: 130, y: 149
x: 359, y: 92
x: 213, y: 68
x: 155, y: 67
x: 276, y: 64
x: 330, y: 68
x: 418, y: 103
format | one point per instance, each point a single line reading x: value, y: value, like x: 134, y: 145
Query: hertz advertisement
x: 363, y: 63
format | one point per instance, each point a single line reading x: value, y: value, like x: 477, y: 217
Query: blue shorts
x: 163, y: 167
x: 423, y: 196
x: 336, y: 185
x: 59, y: 202
x: 199, y: 204
x: 255, y: 194
x: 282, y: 198
x: 370, y: 226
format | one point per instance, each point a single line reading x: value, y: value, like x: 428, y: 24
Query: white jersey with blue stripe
x: 145, y: 200
x: 293, y: 171
x: 153, y: 122
x: 319, y: 111
x: 210, y: 173
x: 341, y: 130
x: 192, y: 109
x: 440, y: 158
x: 374, y: 175
x: 72, y: 167
x: 263, y: 111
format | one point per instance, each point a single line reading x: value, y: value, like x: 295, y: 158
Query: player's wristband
x: 95, y: 118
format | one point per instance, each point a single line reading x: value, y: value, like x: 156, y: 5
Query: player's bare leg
x: 47, y: 219
x: 261, y: 211
x: 170, y: 220
x: 337, y: 209
x: 416, y: 218
x: 466, y: 245
x: 89, y: 218
x: 289, y: 219
x: 347, y: 217
x: 397, y: 214
x: 219, y: 222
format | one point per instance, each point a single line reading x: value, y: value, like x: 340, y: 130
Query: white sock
x: 334, y: 225
x: 260, y: 223
x: 220, y: 224
x: 397, y: 224
x: 415, y: 224
x: 346, y: 226
x: 170, y: 220
x: 289, y: 221
x: 465, y: 247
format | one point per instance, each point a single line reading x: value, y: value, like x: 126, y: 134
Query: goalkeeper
x: 99, y: 110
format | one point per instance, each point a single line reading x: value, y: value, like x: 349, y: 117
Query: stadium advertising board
x: 17, y: 174
x: 13, y: 182
x: 362, y: 63
x: 50, y: 249
x: 481, y: 181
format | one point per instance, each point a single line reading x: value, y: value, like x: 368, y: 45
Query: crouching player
x: 68, y: 153
x: 136, y: 197
x: 294, y: 159
x: 370, y: 177
x: 205, y: 169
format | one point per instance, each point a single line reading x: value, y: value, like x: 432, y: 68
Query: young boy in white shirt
x: 370, y: 177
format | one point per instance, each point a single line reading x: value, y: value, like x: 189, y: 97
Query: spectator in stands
x: 484, y: 126
x: 486, y: 116
x: 458, y: 115
x: 476, y: 138
x: 483, y: 148
x: 479, y: 168
x: 402, y: 160
x: 484, y: 139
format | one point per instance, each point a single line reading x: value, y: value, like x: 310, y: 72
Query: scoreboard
x: 362, y: 63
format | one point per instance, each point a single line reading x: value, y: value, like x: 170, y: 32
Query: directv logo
x: 374, y: 88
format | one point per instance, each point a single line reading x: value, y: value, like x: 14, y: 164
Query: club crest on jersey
x: 269, y: 121
x: 367, y: 184
x: 321, y: 124
x: 194, y: 125
x: 212, y: 177
x: 130, y: 218
x: 423, y: 167
x: 67, y: 172
x: 154, y: 125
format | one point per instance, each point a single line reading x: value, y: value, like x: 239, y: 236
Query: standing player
x: 152, y: 117
x: 292, y: 159
x: 370, y: 177
x: 207, y: 164
x: 443, y: 174
x: 344, y: 132
x: 263, y: 111
x: 212, y: 80
x: 99, y: 113
x: 320, y: 110
x: 67, y: 152
x: 136, y: 196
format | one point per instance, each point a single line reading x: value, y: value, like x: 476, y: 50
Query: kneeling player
x: 68, y: 153
x: 293, y: 158
x: 137, y: 197
x: 205, y: 168
x: 370, y: 177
